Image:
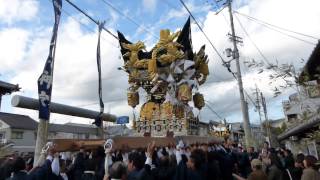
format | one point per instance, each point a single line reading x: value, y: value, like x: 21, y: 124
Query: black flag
x: 46, y: 78
x: 185, y: 39
x: 141, y: 54
x: 98, y: 119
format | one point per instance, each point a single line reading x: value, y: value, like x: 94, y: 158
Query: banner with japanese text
x: 46, y: 78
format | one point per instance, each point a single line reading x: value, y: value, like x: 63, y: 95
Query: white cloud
x: 75, y: 73
x: 18, y: 10
x: 75, y: 76
x: 174, y: 13
x: 149, y: 5
x: 272, y: 44
x: 13, y: 42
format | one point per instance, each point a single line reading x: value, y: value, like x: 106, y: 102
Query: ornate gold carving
x: 133, y: 98
x: 148, y: 110
x: 198, y: 100
x: 184, y: 93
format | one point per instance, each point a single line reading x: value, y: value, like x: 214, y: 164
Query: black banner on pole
x: 98, y: 121
x: 46, y: 78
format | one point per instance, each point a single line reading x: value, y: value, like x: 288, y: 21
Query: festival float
x: 171, y: 74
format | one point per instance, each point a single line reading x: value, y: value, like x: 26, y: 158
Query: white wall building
x: 21, y: 131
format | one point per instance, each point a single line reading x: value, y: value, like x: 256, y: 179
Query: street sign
x: 123, y: 120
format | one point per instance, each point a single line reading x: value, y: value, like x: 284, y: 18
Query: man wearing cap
x: 256, y: 174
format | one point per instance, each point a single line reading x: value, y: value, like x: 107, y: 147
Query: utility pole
x: 264, y: 105
x: 258, y: 107
x: 244, y: 107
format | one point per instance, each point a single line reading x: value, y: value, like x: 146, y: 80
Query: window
x: 17, y: 135
x: 2, y: 135
x: 87, y: 136
x: 292, y: 117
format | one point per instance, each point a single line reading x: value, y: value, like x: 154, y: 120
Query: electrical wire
x: 294, y: 37
x: 85, y: 25
x: 96, y: 22
x: 285, y: 29
x: 214, y: 48
x: 200, y: 28
x: 96, y: 103
x: 91, y: 30
x: 129, y: 18
x: 89, y: 17
x: 208, y: 105
x: 264, y: 58
x: 254, y: 44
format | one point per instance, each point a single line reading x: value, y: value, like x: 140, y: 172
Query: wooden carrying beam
x: 122, y: 142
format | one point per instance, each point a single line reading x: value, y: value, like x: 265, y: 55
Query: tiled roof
x: 7, y: 87
x: 18, y: 121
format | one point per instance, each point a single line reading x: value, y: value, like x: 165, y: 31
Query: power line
x: 285, y: 29
x: 88, y: 16
x: 294, y: 37
x: 264, y: 58
x: 96, y: 103
x: 129, y: 18
x: 87, y: 83
x: 214, y: 48
x: 200, y: 28
x: 84, y: 25
x: 208, y: 105
x: 96, y: 22
x: 223, y: 61
x: 254, y: 44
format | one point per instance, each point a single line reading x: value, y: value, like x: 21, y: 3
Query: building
x: 21, y: 131
x: 237, y: 132
x: 301, y: 111
x: 272, y: 128
x: 204, y: 129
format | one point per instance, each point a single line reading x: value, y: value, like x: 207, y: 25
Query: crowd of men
x: 180, y: 162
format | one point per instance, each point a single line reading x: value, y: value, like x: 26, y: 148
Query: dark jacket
x: 296, y: 173
x: 88, y: 176
x: 133, y: 175
x: 164, y: 173
x: 21, y: 175
x: 226, y: 167
x: 289, y: 162
x: 253, y: 155
x: 144, y: 174
x: 44, y: 173
x: 181, y: 170
x: 244, y: 164
x: 274, y: 173
x: 194, y: 175
x: 213, y: 171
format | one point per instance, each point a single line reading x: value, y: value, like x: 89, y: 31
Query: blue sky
x: 25, y: 30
